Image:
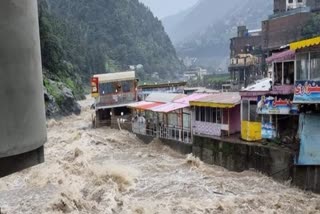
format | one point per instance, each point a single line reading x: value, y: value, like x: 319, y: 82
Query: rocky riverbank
x: 60, y: 100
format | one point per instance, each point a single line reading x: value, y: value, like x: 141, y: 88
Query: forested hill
x: 81, y: 37
x: 119, y: 33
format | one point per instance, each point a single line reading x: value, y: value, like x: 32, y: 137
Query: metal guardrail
x: 170, y: 133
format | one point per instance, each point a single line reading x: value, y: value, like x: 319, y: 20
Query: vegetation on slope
x: 80, y: 38
x: 312, y: 28
x: 118, y: 33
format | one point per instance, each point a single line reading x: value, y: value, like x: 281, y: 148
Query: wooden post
x: 228, y: 122
x: 282, y: 73
x: 182, y: 125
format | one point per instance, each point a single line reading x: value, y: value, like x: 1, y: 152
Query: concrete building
x: 245, y: 42
x: 285, y: 5
x: 22, y: 112
x: 216, y: 115
x: 245, y: 57
x: 112, y: 92
x: 282, y: 28
x: 285, y: 25
x: 171, y: 87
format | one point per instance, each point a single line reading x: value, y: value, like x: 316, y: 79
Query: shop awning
x: 164, y: 97
x: 143, y: 105
x: 305, y: 43
x: 169, y: 107
x: 282, y: 56
x: 221, y: 100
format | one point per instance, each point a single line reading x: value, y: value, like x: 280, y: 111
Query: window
x: 202, y: 114
x: 302, y: 66
x: 288, y: 73
x: 197, y: 114
x: 218, y: 116
x: 245, y: 110
x: 106, y: 88
x: 278, y: 73
x: 290, y: 1
x: 254, y: 116
x: 315, y: 66
x: 208, y: 115
x: 127, y: 86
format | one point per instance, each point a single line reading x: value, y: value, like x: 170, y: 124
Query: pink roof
x: 191, y: 97
x: 279, y: 57
x: 179, y: 103
x: 143, y: 105
x: 165, y: 108
x: 222, y: 98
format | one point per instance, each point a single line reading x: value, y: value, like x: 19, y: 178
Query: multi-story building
x: 112, y: 93
x: 285, y: 25
x: 285, y: 5
x: 245, y: 57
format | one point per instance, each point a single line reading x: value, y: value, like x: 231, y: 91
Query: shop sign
x: 307, y: 92
x: 273, y: 105
x: 94, y: 86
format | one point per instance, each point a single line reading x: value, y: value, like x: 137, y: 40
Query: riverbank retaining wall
x: 275, y: 162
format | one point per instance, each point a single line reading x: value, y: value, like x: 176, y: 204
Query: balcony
x: 291, y: 12
x: 115, y: 99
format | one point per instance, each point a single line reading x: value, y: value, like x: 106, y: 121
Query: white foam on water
x: 108, y: 171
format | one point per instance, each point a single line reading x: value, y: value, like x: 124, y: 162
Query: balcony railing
x: 116, y: 99
x: 290, y: 12
x: 171, y: 133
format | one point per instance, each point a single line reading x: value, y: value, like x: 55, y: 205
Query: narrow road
x: 108, y: 171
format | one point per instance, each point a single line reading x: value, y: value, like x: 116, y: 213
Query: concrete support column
x: 22, y: 111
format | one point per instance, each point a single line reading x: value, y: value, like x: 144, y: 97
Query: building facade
x: 245, y: 57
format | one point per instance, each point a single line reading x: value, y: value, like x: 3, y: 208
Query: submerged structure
x: 22, y: 114
x: 112, y: 93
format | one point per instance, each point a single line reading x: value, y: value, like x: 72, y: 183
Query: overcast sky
x: 163, y: 8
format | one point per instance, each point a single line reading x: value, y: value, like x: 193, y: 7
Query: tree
x: 312, y: 28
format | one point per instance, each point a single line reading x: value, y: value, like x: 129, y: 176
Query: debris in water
x: 109, y: 172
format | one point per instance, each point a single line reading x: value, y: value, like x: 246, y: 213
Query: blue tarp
x: 309, y: 133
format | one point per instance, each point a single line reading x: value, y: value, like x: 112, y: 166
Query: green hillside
x: 80, y: 38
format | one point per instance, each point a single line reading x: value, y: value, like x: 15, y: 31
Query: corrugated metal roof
x: 169, y: 107
x: 221, y: 100
x: 143, y: 105
x: 261, y: 85
x: 119, y: 76
x: 178, y: 104
x: 164, y: 97
x: 279, y: 57
x: 191, y: 97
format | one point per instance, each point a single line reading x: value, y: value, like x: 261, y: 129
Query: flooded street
x: 108, y: 171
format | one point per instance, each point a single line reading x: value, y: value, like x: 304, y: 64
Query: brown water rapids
x: 109, y: 171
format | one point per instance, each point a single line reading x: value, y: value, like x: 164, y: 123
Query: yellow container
x: 251, y: 131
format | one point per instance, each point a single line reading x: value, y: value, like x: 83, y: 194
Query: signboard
x: 94, y: 86
x: 268, y: 131
x: 274, y: 105
x: 307, y: 92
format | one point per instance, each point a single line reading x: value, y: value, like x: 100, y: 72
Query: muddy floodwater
x: 109, y: 171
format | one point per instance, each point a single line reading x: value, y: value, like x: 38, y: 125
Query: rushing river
x: 109, y: 171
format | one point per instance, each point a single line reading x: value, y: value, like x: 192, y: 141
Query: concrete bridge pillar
x: 22, y: 114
